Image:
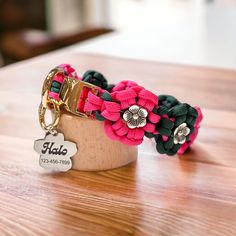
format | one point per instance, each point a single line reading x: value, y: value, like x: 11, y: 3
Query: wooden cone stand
x: 96, y: 151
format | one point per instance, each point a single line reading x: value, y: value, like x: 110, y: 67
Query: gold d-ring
x: 56, y: 116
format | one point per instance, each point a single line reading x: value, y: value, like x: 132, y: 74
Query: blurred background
x: 195, y: 32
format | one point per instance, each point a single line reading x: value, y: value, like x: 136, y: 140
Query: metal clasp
x: 48, y: 83
x: 51, y: 128
x: 48, y: 102
x: 73, y: 95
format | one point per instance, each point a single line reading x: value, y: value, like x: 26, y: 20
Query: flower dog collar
x: 129, y: 111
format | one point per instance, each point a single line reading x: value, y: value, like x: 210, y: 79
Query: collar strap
x: 129, y: 111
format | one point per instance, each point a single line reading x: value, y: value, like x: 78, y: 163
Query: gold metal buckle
x: 70, y: 95
x: 47, y: 85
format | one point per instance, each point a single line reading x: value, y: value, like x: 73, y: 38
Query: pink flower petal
x: 130, y: 142
x: 112, y: 106
x: 117, y: 125
x: 113, y: 116
x: 145, y: 94
x: 200, y: 115
x: 126, y: 104
x: 125, y: 94
x: 150, y: 128
x: 142, y: 102
x: 154, y: 118
x: 139, y: 133
x: 109, y: 131
x: 94, y: 99
x: 90, y: 107
x: 131, y: 134
x: 183, y: 148
x: 122, y: 131
x: 124, y: 85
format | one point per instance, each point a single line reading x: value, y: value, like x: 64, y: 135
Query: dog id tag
x: 55, y: 152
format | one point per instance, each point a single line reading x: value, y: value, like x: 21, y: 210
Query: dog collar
x: 128, y: 111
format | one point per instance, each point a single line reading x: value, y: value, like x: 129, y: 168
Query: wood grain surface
x: 158, y: 195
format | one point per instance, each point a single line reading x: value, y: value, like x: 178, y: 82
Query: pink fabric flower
x: 192, y: 136
x: 127, y: 94
x: 124, y: 96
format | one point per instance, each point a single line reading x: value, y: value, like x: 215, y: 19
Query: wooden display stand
x: 96, y: 151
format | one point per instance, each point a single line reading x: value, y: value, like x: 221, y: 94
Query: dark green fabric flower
x: 176, y: 124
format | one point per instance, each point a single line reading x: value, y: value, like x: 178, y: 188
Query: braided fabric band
x: 130, y: 112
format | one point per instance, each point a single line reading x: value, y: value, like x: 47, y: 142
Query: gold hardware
x: 48, y: 83
x: 56, y: 116
x: 70, y: 95
x: 48, y: 102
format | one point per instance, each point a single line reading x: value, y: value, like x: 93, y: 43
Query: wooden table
x: 190, y: 195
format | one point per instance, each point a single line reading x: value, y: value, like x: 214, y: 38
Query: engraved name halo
x: 55, y: 152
